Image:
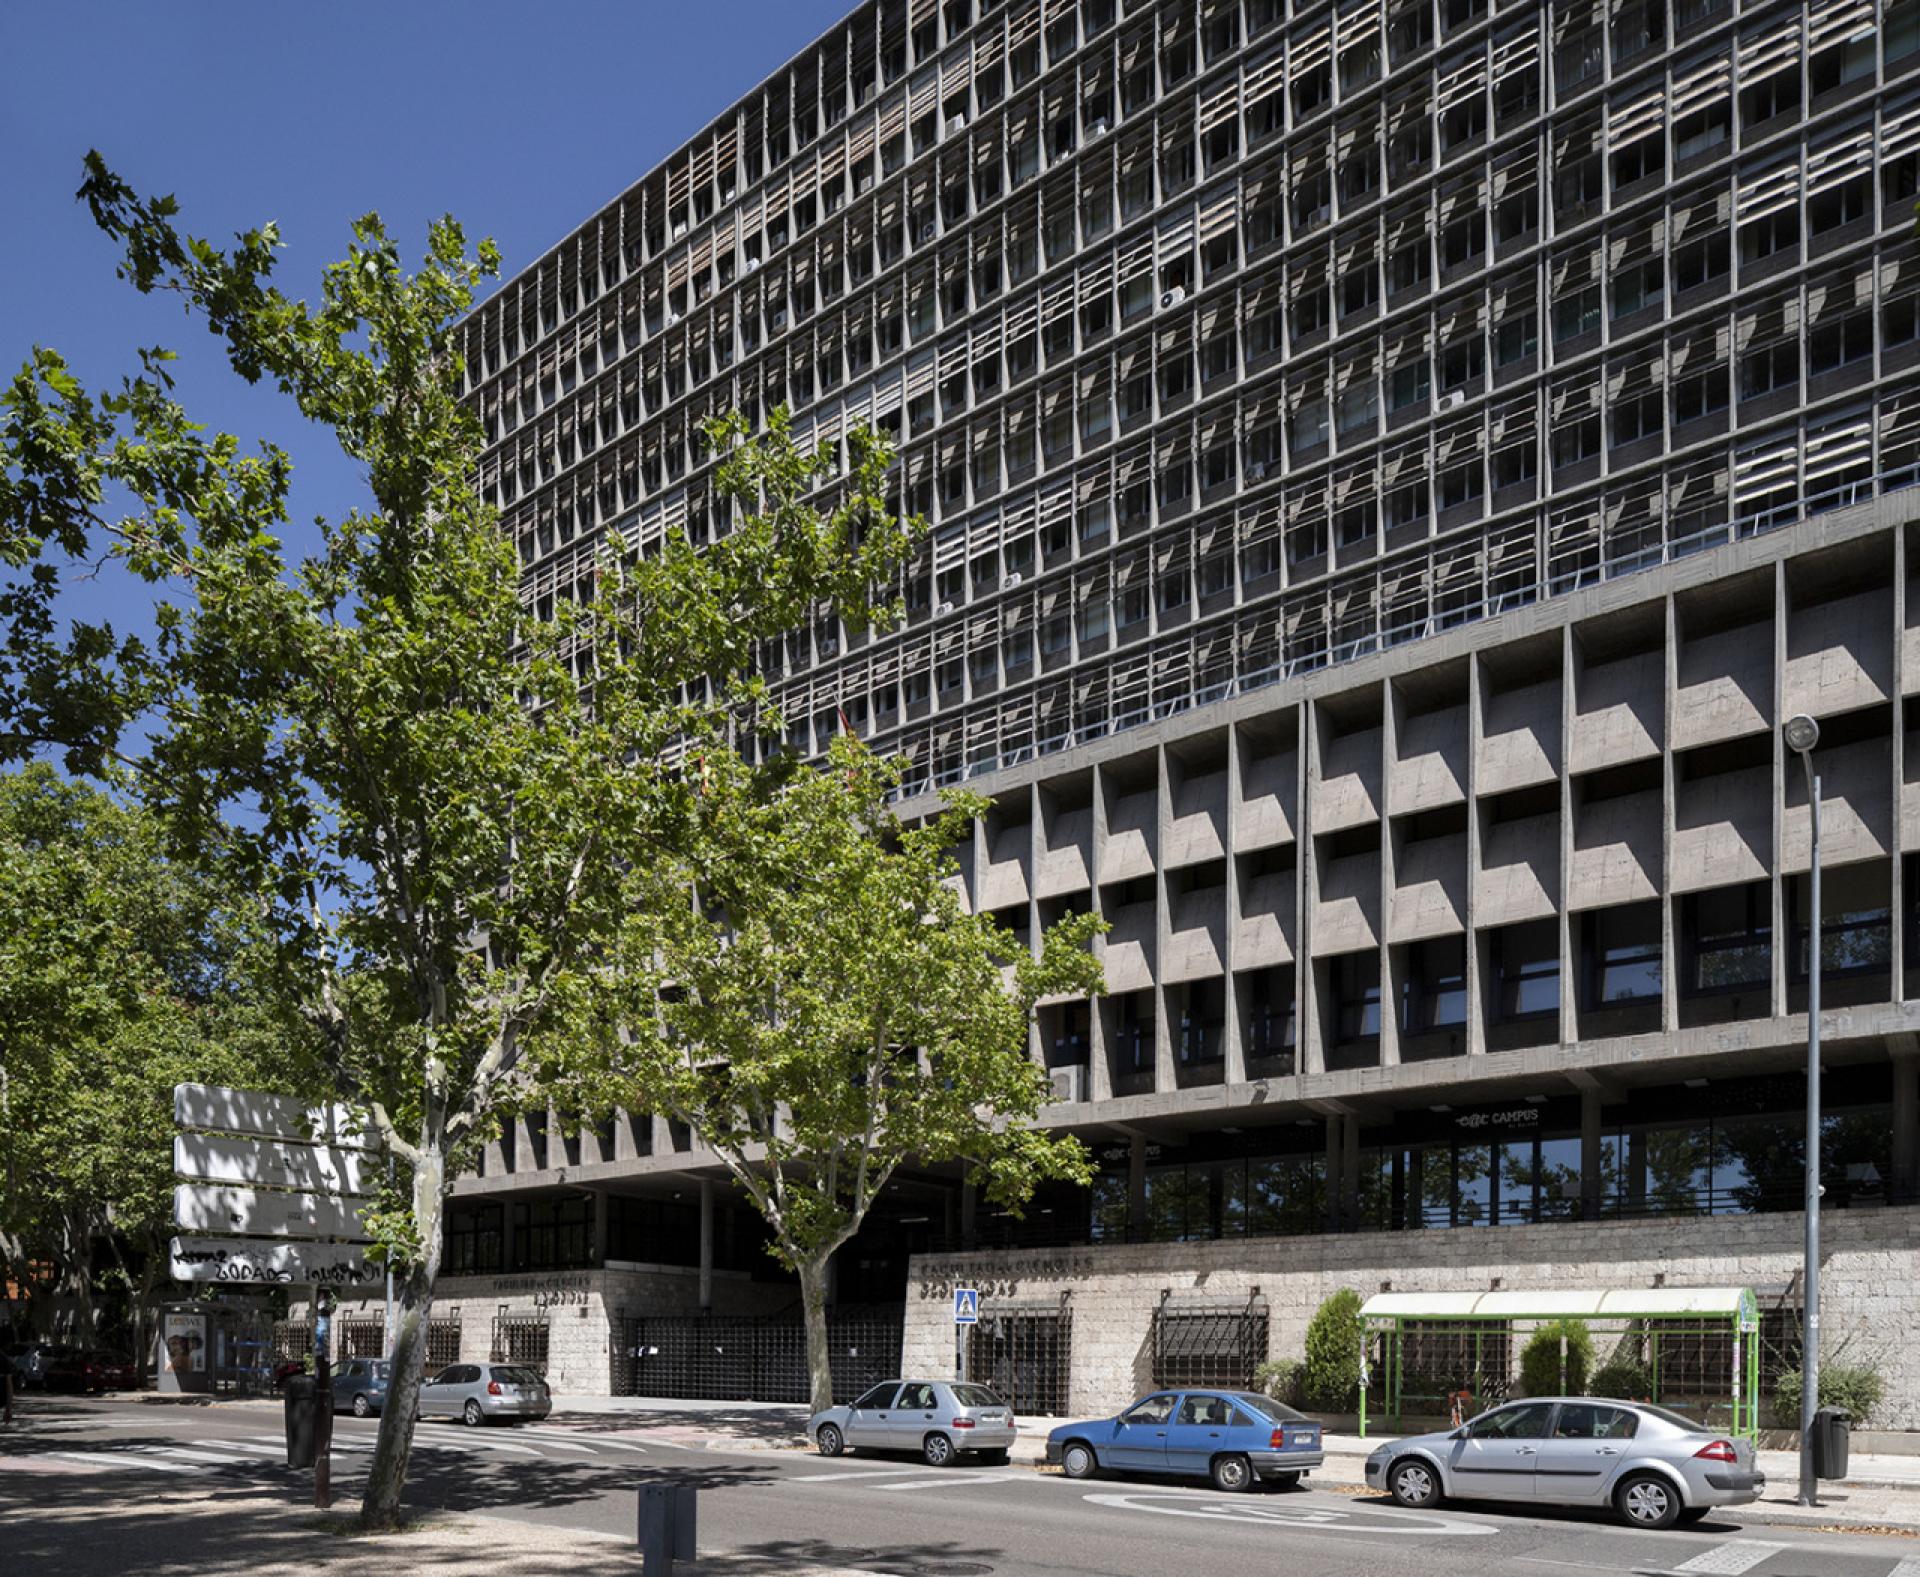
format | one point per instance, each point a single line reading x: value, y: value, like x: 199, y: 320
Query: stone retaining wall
x: 1868, y: 1286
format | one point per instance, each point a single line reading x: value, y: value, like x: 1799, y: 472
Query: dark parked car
x: 1235, y: 1438
x: 31, y: 1361
x: 93, y: 1369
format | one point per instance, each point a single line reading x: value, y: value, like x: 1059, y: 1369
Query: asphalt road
x: 884, y: 1515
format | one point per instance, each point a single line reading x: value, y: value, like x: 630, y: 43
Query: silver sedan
x: 1653, y: 1467
x: 938, y: 1419
x: 476, y: 1392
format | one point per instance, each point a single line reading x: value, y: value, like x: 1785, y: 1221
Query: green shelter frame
x: 1704, y: 1331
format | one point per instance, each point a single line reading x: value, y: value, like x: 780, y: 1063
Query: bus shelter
x: 1694, y: 1349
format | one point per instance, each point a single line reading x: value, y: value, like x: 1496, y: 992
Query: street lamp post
x: 1802, y: 734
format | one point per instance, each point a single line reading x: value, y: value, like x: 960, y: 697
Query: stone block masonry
x: 1869, y: 1294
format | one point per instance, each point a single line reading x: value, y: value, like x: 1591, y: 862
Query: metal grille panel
x: 1026, y: 1358
x: 361, y: 1338
x: 443, y: 1343
x: 521, y: 1339
x: 292, y: 1339
x: 1208, y: 1347
x: 732, y: 1358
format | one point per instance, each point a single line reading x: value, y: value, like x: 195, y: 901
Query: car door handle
x: 1609, y: 1451
x: 1526, y: 1451
x: 1213, y: 1434
x: 1161, y: 1433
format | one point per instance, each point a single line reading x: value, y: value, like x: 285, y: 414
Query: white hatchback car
x: 476, y: 1392
x: 938, y: 1419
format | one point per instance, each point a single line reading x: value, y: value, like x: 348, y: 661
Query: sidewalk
x: 216, y: 1533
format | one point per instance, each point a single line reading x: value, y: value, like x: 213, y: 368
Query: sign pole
x: 323, y: 1400
x: 966, y: 1314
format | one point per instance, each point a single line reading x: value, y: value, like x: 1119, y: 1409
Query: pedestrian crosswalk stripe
x: 861, y: 1472
x: 960, y: 1481
x: 1729, y: 1560
x: 124, y: 1459
x: 1906, y: 1568
x: 188, y: 1454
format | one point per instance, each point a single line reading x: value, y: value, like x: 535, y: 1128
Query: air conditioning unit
x: 679, y: 230
x: 926, y: 231
x: 1069, y: 1083
x: 1099, y: 128
x: 956, y: 120
x: 944, y: 609
x: 1453, y: 401
x: 1013, y: 579
x: 1173, y: 297
x: 752, y: 264
x: 1256, y: 470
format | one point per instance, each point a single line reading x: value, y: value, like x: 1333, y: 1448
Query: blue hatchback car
x: 1235, y: 1438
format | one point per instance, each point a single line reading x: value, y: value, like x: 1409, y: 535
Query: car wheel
x: 1231, y: 1474
x: 361, y: 1407
x: 1078, y: 1460
x: 472, y: 1414
x: 937, y: 1451
x: 1413, y: 1483
x: 830, y: 1441
x: 1284, y: 1480
x: 1646, y: 1500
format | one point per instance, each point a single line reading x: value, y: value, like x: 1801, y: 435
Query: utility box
x: 303, y: 1420
x: 1830, y: 1435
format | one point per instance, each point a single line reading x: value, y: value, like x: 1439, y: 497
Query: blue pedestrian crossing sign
x: 966, y: 1305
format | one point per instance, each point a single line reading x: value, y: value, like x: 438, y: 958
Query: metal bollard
x: 668, y: 1514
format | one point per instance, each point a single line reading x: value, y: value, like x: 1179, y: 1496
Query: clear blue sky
x: 519, y: 119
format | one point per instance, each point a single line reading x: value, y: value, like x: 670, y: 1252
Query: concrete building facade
x: 1392, y: 467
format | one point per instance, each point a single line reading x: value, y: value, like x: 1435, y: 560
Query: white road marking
x: 1729, y: 1560
x: 952, y: 1481
x: 1316, y: 1518
x: 123, y: 1459
x: 1906, y: 1568
x: 189, y: 1454
x: 558, y: 1439
x: 860, y: 1472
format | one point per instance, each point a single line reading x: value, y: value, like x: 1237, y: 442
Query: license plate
x: 1305, y: 1437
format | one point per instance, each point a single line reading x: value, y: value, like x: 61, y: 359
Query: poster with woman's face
x: 186, y: 1339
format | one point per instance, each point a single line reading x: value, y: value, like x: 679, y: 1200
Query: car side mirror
x: 1458, y: 1434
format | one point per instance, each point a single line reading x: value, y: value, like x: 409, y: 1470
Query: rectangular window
x: 1526, y: 971
x: 1623, y: 956
x: 1729, y: 938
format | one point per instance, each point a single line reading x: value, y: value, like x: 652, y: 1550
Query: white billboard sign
x: 216, y: 1107
x: 315, y: 1168
x: 271, y: 1260
x: 217, y: 1207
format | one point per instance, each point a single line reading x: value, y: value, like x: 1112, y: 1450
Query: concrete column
x: 1566, y: 920
x: 1137, y: 1188
x: 1099, y: 1054
x: 1311, y: 1057
x: 1906, y: 1127
x: 1590, y: 1136
x: 706, y: 1245
x: 1165, y: 1076
x: 1235, y: 1053
x: 602, y: 1224
x: 1669, y: 797
x: 1391, y: 958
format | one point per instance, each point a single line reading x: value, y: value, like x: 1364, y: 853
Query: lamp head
x: 1802, y: 734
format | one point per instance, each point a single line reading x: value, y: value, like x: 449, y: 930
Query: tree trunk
x: 813, y: 1300
x: 380, y: 1506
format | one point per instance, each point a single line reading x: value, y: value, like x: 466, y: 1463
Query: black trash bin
x: 303, y: 1420
x: 1830, y: 1426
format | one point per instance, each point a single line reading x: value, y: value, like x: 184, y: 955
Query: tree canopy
x: 806, y: 989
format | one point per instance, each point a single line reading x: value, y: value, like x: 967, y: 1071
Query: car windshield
x: 1267, y: 1407
x: 976, y: 1396
x: 514, y: 1375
